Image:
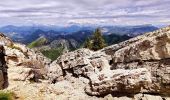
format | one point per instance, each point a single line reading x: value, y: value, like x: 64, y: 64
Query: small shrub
x: 6, y: 95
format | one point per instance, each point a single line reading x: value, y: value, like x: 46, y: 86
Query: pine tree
x: 98, y: 41
x: 88, y: 43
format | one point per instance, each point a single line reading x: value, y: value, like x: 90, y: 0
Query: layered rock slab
x: 122, y: 81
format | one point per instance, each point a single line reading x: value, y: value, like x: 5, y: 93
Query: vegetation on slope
x: 41, y: 41
x: 7, y: 95
x: 114, y: 38
x: 53, y: 54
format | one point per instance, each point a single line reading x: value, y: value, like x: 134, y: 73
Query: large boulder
x: 73, y: 59
x: 119, y: 81
x: 24, y: 63
x: 82, y: 62
x: 149, y: 48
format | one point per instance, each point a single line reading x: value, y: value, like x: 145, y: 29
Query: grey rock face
x: 25, y: 64
x: 54, y: 72
x: 122, y: 81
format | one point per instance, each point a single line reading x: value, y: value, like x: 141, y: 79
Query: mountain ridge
x: 22, y: 33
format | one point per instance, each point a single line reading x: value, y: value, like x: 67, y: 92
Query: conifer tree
x: 98, y: 41
x: 88, y: 43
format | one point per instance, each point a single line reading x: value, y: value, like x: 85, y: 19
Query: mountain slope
x: 114, y: 38
x: 39, y: 42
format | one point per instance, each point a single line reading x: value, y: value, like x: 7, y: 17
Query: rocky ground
x: 137, y: 69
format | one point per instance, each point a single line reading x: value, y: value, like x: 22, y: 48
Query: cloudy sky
x: 64, y: 12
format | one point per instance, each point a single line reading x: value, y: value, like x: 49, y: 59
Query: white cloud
x: 84, y: 11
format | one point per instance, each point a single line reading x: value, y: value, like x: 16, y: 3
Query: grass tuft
x: 7, y: 95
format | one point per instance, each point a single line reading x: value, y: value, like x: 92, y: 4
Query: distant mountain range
x: 128, y: 30
x: 54, y: 46
x: 53, y: 40
x: 27, y: 34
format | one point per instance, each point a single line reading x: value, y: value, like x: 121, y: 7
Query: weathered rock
x: 159, y: 73
x: 83, y: 62
x: 20, y: 59
x: 23, y: 62
x: 123, y: 81
x: 5, y: 40
x: 73, y: 59
x: 54, y: 72
x: 150, y: 48
x: 145, y: 59
x: 149, y: 97
x: 150, y: 51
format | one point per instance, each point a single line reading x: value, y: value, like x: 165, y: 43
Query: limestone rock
x: 73, y: 59
x: 155, y: 48
x: 23, y: 62
x: 122, y: 81
x: 5, y: 40
x: 54, y: 72
x: 149, y: 97
x: 22, y: 58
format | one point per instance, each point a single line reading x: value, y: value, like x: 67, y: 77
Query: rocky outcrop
x: 83, y: 62
x: 138, y: 65
x: 150, y: 51
x: 24, y: 63
x: 5, y: 40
